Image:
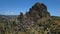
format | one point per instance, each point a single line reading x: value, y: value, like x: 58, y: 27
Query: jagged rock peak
x: 39, y: 6
x: 38, y: 9
x: 20, y: 16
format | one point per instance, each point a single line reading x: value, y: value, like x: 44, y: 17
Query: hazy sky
x: 14, y: 7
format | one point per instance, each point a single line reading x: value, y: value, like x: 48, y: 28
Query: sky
x: 14, y: 7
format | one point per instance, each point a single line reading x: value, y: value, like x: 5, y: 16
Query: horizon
x: 14, y: 7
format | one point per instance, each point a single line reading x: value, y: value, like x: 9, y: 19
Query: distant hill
x: 8, y: 16
x: 4, y: 18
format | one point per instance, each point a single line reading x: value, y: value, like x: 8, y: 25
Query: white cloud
x: 9, y: 12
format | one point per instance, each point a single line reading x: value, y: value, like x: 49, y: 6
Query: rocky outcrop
x: 38, y: 11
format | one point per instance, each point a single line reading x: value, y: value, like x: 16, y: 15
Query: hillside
x: 36, y: 21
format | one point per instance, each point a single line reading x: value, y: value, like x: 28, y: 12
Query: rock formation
x: 36, y: 21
